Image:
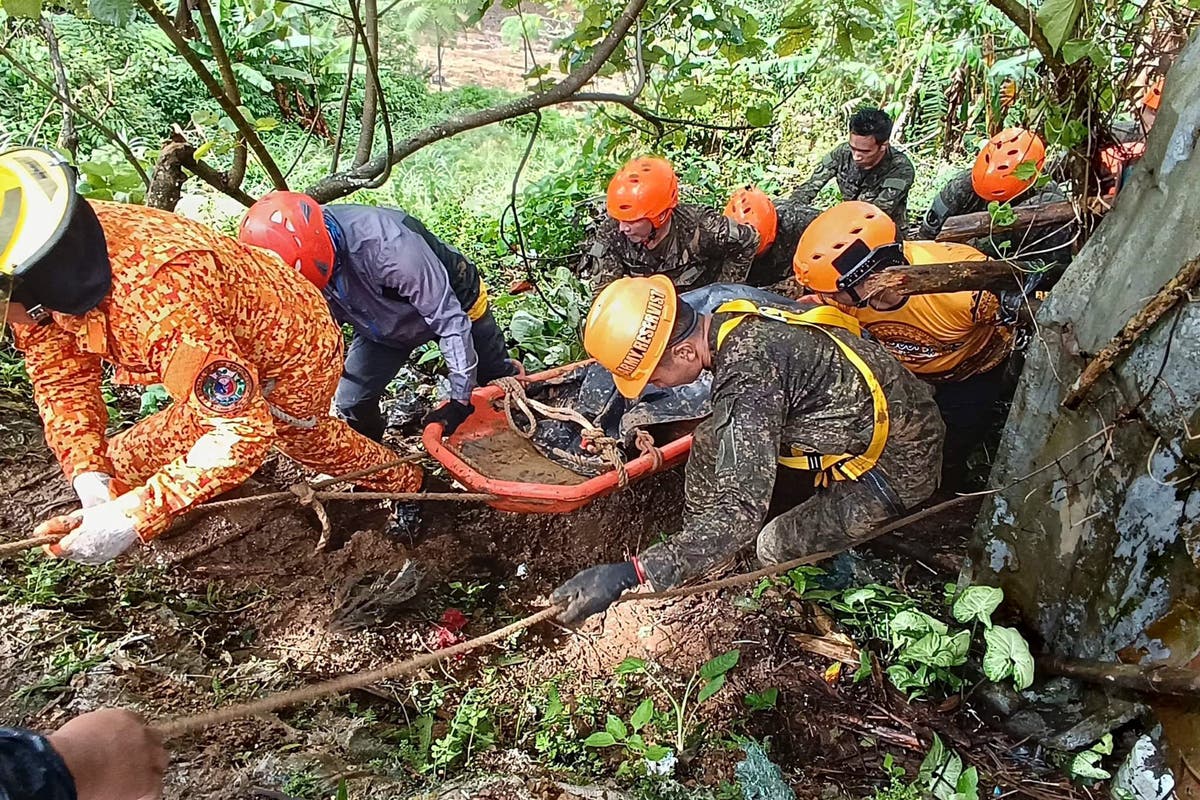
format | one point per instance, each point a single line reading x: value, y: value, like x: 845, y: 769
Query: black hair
x: 872, y: 122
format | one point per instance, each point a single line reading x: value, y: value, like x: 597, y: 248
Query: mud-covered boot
x: 405, y: 521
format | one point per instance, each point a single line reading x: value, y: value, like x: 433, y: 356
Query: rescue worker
x: 108, y: 754
x: 797, y: 390
x: 1005, y: 170
x: 958, y: 341
x: 779, y: 225
x: 1115, y: 161
x: 648, y: 232
x: 248, y: 353
x: 866, y: 168
x: 399, y: 286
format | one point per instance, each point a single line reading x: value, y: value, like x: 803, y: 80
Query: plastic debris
x: 759, y: 777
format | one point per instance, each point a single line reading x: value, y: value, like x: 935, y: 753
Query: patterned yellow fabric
x: 220, y: 325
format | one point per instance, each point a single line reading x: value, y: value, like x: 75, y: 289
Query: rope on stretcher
x: 593, y: 436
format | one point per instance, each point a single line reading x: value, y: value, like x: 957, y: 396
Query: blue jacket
x: 399, y: 285
x: 30, y: 769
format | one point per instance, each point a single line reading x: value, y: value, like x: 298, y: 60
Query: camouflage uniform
x: 701, y: 247
x: 958, y: 197
x: 776, y: 386
x: 885, y: 185
x: 776, y: 264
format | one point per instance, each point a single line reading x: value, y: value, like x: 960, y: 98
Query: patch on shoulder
x: 223, y: 386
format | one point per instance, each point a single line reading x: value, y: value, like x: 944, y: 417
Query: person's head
x: 642, y: 196
x: 291, y: 225
x: 843, y: 247
x: 1148, y: 106
x: 870, y: 130
x: 1009, y: 164
x: 751, y: 206
x: 642, y: 332
x: 53, y: 254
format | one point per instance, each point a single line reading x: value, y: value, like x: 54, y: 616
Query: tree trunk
x: 366, y: 136
x: 959, y: 276
x: 166, y: 184
x: 68, y: 137
x: 966, y: 227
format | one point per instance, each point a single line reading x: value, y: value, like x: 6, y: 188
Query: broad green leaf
x: 656, y: 752
x: 1079, y: 49
x: 864, y: 666
x: 912, y: 624
x: 720, y: 665
x: 1026, y: 170
x: 615, y: 727
x: 967, y: 787
x: 600, y: 739
x: 524, y: 327
x: 941, y: 774
x: 265, y: 124
x: 642, y: 714
x: 1104, y: 746
x: 859, y: 596
x: 692, y: 96
x: 203, y: 150
x: 1007, y: 655
x: 118, y: 13
x: 1085, y: 765
x: 762, y: 701
x: 979, y: 602
x: 22, y: 8
x: 1057, y: 19
x: 252, y: 76
x: 711, y: 688
x: 938, y: 649
x: 760, y: 116
x: 630, y: 665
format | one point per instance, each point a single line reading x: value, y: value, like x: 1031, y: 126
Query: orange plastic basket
x: 524, y: 496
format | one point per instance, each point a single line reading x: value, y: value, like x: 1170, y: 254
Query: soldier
x: 797, y: 390
x: 994, y: 177
x: 958, y: 341
x: 648, y: 232
x: 779, y: 226
x: 399, y: 286
x: 866, y: 168
x: 248, y: 353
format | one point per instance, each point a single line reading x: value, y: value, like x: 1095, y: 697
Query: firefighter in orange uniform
x: 958, y: 341
x: 246, y: 349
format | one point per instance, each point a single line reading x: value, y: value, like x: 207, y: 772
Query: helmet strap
x: 857, y: 263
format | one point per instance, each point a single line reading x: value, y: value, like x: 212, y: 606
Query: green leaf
x: 343, y: 791
x: 941, y: 770
x: 600, y: 739
x: 1085, y: 765
x: 938, y: 649
x: 630, y: 665
x: 252, y: 76
x: 911, y: 624
x: 1025, y: 171
x: 760, y: 116
x: 1007, y: 655
x: 720, y: 665
x: 118, y: 13
x: 656, y: 752
x: 859, y: 596
x: 711, y: 688
x: 615, y: 727
x: 642, y: 714
x: 264, y: 124
x: 967, y: 787
x: 1057, y: 19
x: 692, y: 96
x: 1104, y: 746
x: 864, y: 666
x: 979, y: 602
x: 23, y: 8
x: 762, y: 701
x: 525, y: 327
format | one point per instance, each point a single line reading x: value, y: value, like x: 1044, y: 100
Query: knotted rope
x: 594, y: 438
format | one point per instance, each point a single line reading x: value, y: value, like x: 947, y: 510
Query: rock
x: 1144, y: 775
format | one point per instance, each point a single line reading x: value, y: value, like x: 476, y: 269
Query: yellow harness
x: 838, y: 467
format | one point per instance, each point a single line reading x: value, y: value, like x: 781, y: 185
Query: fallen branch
x: 958, y: 276
x: 1177, y: 289
x: 966, y: 227
x: 836, y: 647
x: 1153, y: 679
x: 13, y: 548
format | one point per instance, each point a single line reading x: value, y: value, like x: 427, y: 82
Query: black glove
x: 450, y: 414
x: 593, y: 590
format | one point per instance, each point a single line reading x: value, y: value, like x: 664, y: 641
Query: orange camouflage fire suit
x: 245, y: 347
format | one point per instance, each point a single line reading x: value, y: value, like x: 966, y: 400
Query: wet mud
x: 508, y: 456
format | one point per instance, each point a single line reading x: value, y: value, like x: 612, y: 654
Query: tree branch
x: 237, y: 171
x: 1026, y: 21
x: 658, y: 122
x: 369, y: 30
x: 341, y: 184
x: 68, y: 137
x: 189, y: 55
x: 372, y: 58
x: 106, y: 131
x: 344, y: 105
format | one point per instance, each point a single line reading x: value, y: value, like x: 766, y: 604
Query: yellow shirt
x: 941, y: 337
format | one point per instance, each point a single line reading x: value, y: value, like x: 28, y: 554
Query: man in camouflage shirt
x: 866, y: 168
x: 786, y: 391
x: 775, y: 263
x: 648, y: 232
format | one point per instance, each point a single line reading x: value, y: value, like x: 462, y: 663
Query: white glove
x: 93, y: 488
x: 103, y: 533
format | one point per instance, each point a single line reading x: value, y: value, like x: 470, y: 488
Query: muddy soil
x: 509, y: 456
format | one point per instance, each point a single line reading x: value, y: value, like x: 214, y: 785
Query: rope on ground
x: 179, y: 726
x: 593, y: 436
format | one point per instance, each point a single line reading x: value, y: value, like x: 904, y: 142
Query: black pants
x: 371, y: 366
x: 970, y: 409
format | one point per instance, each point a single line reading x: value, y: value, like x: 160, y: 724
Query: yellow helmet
x: 37, y: 199
x: 628, y: 329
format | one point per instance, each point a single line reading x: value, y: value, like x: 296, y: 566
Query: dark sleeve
x: 730, y: 473
x: 601, y: 261
x: 892, y: 197
x: 948, y: 203
x: 30, y: 769
x: 826, y: 171
x: 736, y: 245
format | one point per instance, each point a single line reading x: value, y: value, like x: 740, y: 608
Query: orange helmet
x: 839, y: 240
x: 992, y: 176
x: 1153, y: 96
x: 291, y: 224
x: 751, y: 206
x: 645, y: 188
x: 629, y: 327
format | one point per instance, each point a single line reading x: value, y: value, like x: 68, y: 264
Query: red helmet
x: 290, y: 224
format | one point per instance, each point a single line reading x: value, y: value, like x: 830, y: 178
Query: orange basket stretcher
x: 530, y: 496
